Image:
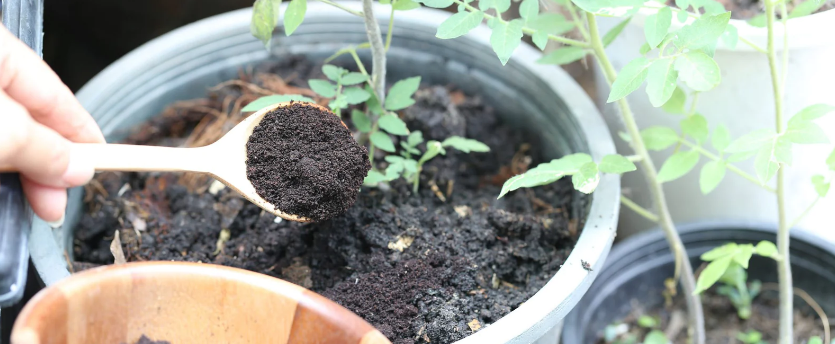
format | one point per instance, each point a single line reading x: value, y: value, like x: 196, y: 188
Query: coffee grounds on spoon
x: 305, y: 162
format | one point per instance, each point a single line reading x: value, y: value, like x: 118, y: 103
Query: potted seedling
x: 426, y: 253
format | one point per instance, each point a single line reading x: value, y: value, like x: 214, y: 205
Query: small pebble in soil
x: 304, y: 161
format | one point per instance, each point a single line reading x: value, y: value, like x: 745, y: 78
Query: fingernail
x: 57, y: 224
x: 79, y: 171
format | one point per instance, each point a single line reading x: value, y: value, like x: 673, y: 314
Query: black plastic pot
x: 637, y: 267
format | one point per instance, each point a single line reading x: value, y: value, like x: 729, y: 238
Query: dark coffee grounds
x: 305, y: 162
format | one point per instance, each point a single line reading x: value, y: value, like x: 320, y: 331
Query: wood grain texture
x: 185, y: 303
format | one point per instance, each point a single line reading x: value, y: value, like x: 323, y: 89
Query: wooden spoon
x: 225, y: 160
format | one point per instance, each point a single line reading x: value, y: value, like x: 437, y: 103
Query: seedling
x: 752, y: 337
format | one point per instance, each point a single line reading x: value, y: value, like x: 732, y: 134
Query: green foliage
x: 815, y: 340
x: 294, y: 15
x: 361, y: 121
x: 677, y: 165
x: 265, y: 14
x: 656, y: 337
x: 404, y: 5
x: 661, y: 81
x: 501, y: 6
x: 656, y: 26
x: 727, y: 263
x: 614, y: 8
x: 505, y: 38
x: 721, y: 138
x: 830, y: 161
x: 465, y: 145
x: 699, y: 71
x: 695, y: 126
x: 586, y: 178
x: 613, y: 33
x: 322, y: 87
x: 703, y: 32
x: 675, y: 105
x: 563, y: 56
x: 752, y: 337
x: 392, y: 124
x: 766, y: 249
x: 437, y: 3
x: 617, y: 164
x: 629, y: 79
x: 266, y: 101
x: 752, y: 141
x: 529, y: 9
x: 400, y: 95
x: 583, y: 170
x: 647, y: 321
x: 459, y: 24
x: 382, y: 141
x: 659, y: 138
x: 711, y: 175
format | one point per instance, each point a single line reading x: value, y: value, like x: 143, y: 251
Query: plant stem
x: 688, y: 281
x: 378, y: 51
x: 638, y: 209
x: 390, y: 29
x: 580, y: 26
x: 634, y: 158
x: 693, y: 104
x: 344, y: 8
x: 784, y: 273
x: 416, y: 182
x: 371, y: 146
x: 732, y: 168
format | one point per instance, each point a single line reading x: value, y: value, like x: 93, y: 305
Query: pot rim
x: 539, y: 313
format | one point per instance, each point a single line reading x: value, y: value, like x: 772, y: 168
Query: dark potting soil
x: 747, y: 9
x: 431, y: 267
x: 145, y: 340
x: 722, y: 324
x: 303, y: 160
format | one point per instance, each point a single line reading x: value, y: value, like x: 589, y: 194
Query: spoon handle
x: 136, y: 158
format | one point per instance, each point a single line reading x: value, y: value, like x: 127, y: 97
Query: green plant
x: 752, y: 337
x: 727, y: 266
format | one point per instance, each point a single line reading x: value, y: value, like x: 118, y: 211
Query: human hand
x: 39, y: 118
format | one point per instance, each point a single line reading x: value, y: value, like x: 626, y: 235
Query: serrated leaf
x: 766, y: 249
x: 698, y: 71
x: 500, y: 5
x: 656, y: 337
x: 821, y: 186
x: 352, y: 78
x: 405, y: 5
x: 805, y: 8
x: 615, y: 163
x: 546, y: 173
x: 265, y: 101
x: 721, y: 138
x: 529, y: 9
x: 629, y: 79
x: 381, y: 140
x: 586, y: 178
x: 675, y: 105
x: 656, y: 26
x: 563, y: 55
x: 703, y: 32
x: 459, y: 24
x: 505, y: 37
x: 609, y: 8
x: 392, y: 124
x: 812, y: 112
x: 361, y: 121
x: 437, y: 3
x: 333, y: 72
x: 540, y: 39
x: 712, y: 174
x: 265, y: 14
x: 730, y: 37
x: 400, y: 95
x: 661, y: 81
x: 751, y: 141
x: 550, y: 23
x: 613, y: 33
x: 355, y: 95
x: 765, y: 164
x: 726, y: 250
x: 712, y: 273
x: 322, y: 87
x: 695, y: 126
x: 433, y: 148
x: 659, y: 138
x: 677, y: 165
x: 294, y: 15
x: 415, y: 138
x: 465, y: 145
x: 743, y: 255
x: 830, y: 160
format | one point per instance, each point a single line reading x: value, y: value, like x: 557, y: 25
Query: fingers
x: 38, y: 152
x: 46, y: 201
x: 30, y: 82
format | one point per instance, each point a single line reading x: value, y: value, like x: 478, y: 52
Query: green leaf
x: 629, y: 79
x: 505, y: 37
x: 830, y: 161
x: 656, y: 26
x: 712, y: 174
x: 393, y: 124
x: 743, y: 255
x: 646, y: 321
x: 400, y: 95
x: 815, y: 339
x: 730, y: 37
x: 751, y: 141
x: 681, y: 16
x: 805, y: 132
x: 373, y: 103
x: 659, y: 138
x: 265, y: 14
x: 381, y: 140
x: 352, y: 78
x: 563, y: 55
x: 758, y: 21
x: 415, y: 138
x: 725, y: 250
x: 766, y: 249
x: 656, y: 337
x: 661, y: 81
x: 675, y: 105
x: 465, y: 145
x: 609, y: 8
x: 373, y: 178
x: 645, y: 48
x: 805, y: 8
x: 500, y: 5
x: 322, y: 87
x: 812, y: 112
x: 624, y: 136
x: 677, y: 165
x: 459, y: 24
x: 546, y: 173
x: 698, y: 71
x: 586, y: 178
x: 752, y: 337
x: 405, y: 5
x: 712, y: 273
x: 294, y: 15
x: 765, y: 164
x: 737, y: 157
x: 540, y: 39
x: 721, y: 138
x: 703, y: 32
x: 615, y: 163
x: 529, y: 9
x: 339, y: 103
x: 695, y: 126
x: 265, y: 101
x: 361, y: 121
x: 355, y: 95
x: 550, y: 23
x: 682, y: 4
x: 333, y: 72
x: 433, y: 148
x: 821, y: 186
x: 613, y: 33
x: 437, y: 3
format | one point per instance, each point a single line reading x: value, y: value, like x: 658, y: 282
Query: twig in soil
x: 221, y: 241
x: 811, y: 302
x: 436, y: 190
x: 69, y: 263
x: 243, y: 84
x: 116, y: 250
x: 449, y: 185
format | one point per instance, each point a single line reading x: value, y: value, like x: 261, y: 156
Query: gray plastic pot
x: 184, y: 63
x: 638, y: 266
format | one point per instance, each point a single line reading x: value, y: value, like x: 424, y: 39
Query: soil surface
x: 747, y: 9
x: 722, y: 323
x: 431, y: 267
x: 304, y: 161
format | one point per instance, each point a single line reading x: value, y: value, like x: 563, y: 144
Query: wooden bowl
x: 181, y: 302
